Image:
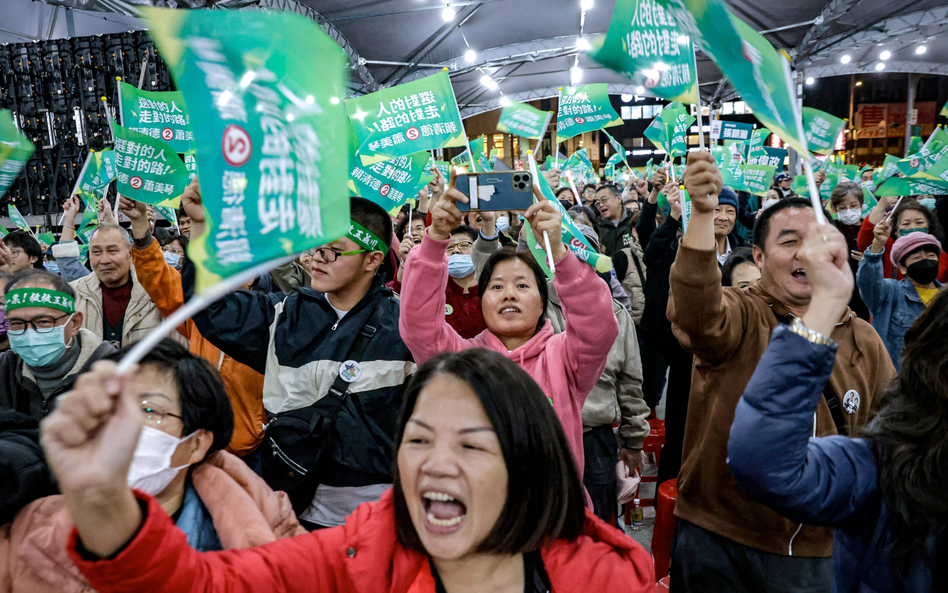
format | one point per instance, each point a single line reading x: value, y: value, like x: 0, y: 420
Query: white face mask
x: 850, y: 217
x: 768, y: 203
x: 151, y: 469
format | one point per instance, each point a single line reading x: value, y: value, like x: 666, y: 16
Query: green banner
x: 748, y: 60
x: 758, y: 178
x: 45, y: 240
x: 390, y: 183
x: 889, y: 168
x: 927, y: 157
x: 97, y: 172
x: 15, y: 150
x: 822, y: 130
x: 899, y: 186
x: 475, y: 148
x: 273, y: 176
x: 405, y: 119
x: 675, y: 122
x: 190, y: 163
x: 162, y: 116
x: 18, y: 219
x: 149, y: 170
x: 772, y: 157
x: 584, y: 109
x: 733, y: 176
x: 645, y: 44
x: 524, y: 120
x: 168, y: 214
x: 756, y: 148
x: 731, y: 130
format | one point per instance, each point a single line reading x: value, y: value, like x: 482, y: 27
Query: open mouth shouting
x: 799, y: 275
x: 444, y: 513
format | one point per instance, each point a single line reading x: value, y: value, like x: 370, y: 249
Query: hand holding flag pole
x: 572, y: 186
x: 536, y: 191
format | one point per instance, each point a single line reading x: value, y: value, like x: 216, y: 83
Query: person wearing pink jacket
x: 513, y: 293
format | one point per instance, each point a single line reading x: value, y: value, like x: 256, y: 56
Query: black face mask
x: 923, y: 272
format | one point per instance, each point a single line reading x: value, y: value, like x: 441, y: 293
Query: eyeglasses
x: 841, y: 209
x: 42, y: 324
x: 459, y: 247
x: 329, y: 255
x: 16, y: 252
x: 153, y: 413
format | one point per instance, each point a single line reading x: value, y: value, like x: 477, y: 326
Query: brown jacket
x: 728, y: 330
x: 245, y: 511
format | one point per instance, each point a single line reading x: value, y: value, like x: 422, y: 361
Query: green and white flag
x: 475, y: 148
x: 822, y: 130
x: 748, y: 60
x: 944, y: 109
x: 645, y: 44
x: 868, y: 201
x: 756, y: 148
x: 390, y: 183
x: 618, y: 148
x: 758, y: 178
x: 733, y: 176
x: 190, y: 163
x: 15, y: 150
x: 915, y: 144
x: 889, y: 168
x: 731, y: 130
x: 584, y: 109
x: 900, y: 186
x: 675, y: 121
x: 655, y: 132
x: 45, y: 240
x: 772, y: 157
x: 405, y: 119
x: 149, y: 170
x: 524, y: 120
x: 273, y: 178
x: 159, y: 115
x: 927, y: 157
x: 89, y: 222
x: 168, y: 214
x: 18, y: 219
x: 97, y: 172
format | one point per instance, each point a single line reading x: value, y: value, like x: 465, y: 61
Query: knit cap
x: 909, y: 243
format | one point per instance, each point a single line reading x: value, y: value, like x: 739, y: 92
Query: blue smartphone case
x: 500, y: 191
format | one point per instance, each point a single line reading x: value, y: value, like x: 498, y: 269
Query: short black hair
x: 376, y: 220
x: 762, y: 225
x: 405, y: 225
x: 28, y: 244
x: 612, y: 189
x: 39, y: 276
x: 563, y: 189
x: 179, y: 239
x: 509, y: 253
x: 180, y: 213
x: 741, y: 255
x: 846, y: 188
x: 204, y: 402
x: 545, y: 497
x: 465, y: 230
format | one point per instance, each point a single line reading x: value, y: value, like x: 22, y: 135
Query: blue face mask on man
x: 460, y: 265
x: 40, y: 349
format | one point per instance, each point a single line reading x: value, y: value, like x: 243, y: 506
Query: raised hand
x: 445, y: 216
x: 825, y: 259
x: 703, y: 181
x: 436, y: 186
x: 880, y: 236
x: 132, y: 209
x: 6, y: 258
x: 543, y: 216
x: 104, y: 209
x: 70, y: 210
x: 552, y: 177
x: 659, y: 179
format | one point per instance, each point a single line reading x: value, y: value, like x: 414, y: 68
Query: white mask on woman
x: 151, y: 469
x: 850, y: 217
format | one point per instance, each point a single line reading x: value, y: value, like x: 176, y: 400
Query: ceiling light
x: 504, y: 101
x: 845, y: 59
x: 885, y: 55
x: 470, y: 56
x: 334, y: 100
x: 921, y: 49
x: 858, y: 83
x: 640, y: 90
x: 810, y: 80
x: 290, y: 117
x: 575, y: 75
x: 488, y: 82
x: 582, y: 44
x: 880, y: 66
x: 311, y: 99
x: 627, y: 98
x: 448, y: 14
x: 586, y: 4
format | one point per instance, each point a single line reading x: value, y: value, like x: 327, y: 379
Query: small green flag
x: 149, y: 170
x: 45, y: 240
x: 756, y: 148
x: 390, y: 183
x: 162, y: 116
x: 800, y: 187
x: 190, y: 163
x: 168, y: 214
x: 822, y: 130
x: 273, y: 177
x: 655, y: 133
x: 868, y: 201
x: 944, y: 110
x: 772, y: 157
x: 98, y: 171
x: 733, y: 176
x: 758, y: 178
x: 475, y: 148
x: 405, y: 119
x: 731, y: 130
x: 15, y: 150
x: 18, y: 219
x: 524, y: 120
x: 914, y: 145
x: 618, y: 148
x: 927, y: 157
x: 899, y: 186
x: 675, y: 122
x: 889, y: 168
x: 89, y: 222
x: 584, y: 109
x: 645, y: 44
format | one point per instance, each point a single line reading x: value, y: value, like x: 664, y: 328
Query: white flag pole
x: 698, y: 100
x: 805, y: 157
x: 546, y: 237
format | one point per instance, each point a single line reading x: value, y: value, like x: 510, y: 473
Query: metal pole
x: 910, y: 105
x: 851, y: 125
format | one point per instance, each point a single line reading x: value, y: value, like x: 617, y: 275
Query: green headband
x: 18, y: 298
x: 365, y: 239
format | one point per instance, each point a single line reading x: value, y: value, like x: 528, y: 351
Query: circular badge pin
x: 350, y: 371
x: 851, y: 401
x: 448, y: 309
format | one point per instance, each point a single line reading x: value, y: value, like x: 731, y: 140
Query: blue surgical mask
x: 173, y: 259
x: 460, y: 265
x: 40, y: 349
x: 928, y: 203
x: 904, y: 232
x: 503, y: 223
x: 3, y: 325
x: 51, y: 266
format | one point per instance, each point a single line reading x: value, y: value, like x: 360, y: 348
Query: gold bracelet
x: 797, y: 327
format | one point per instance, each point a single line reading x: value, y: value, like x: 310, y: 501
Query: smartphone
x: 494, y: 192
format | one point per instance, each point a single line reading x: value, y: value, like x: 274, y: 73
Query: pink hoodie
x: 566, y: 365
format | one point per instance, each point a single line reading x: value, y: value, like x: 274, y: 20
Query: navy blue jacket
x: 829, y: 481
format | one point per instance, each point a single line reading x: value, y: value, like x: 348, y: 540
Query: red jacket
x: 363, y: 556
x: 462, y: 310
x: 865, y: 240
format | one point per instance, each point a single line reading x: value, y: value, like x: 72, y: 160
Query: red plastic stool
x: 664, y: 530
x: 653, y: 444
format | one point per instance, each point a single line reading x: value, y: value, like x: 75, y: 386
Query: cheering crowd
x: 417, y: 407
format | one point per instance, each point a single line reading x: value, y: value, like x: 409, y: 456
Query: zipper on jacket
x: 335, y: 325
x: 795, y: 534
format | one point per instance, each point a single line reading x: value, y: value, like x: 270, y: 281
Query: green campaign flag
x: 749, y: 61
x: 939, y: 168
x: 900, y: 186
x: 584, y: 109
x: 159, y: 115
x: 390, y: 183
x: 3, y: 232
x: 614, y: 160
x: 944, y: 109
x: 889, y: 168
x: 736, y: 148
x: 524, y: 120
x: 168, y: 214
x: 273, y: 177
x: 475, y: 148
x: 618, y: 148
x: 97, y: 172
x: 405, y: 119
x: 772, y: 157
x: 675, y: 122
x: 444, y: 167
x: 733, y: 175
x: 18, y: 219
x: 45, y: 240
x: 15, y: 150
x: 645, y: 44
x: 721, y: 155
x: 914, y: 145
x: 756, y: 148
x: 868, y: 201
x: 190, y: 163
x: 927, y: 157
x: 731, y: 130
x: 149, y: 170
x: 655, y: 133
x: 89, y: 222
x: 758, y: 178
x: 822, y: 130
x: 799, y: 185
